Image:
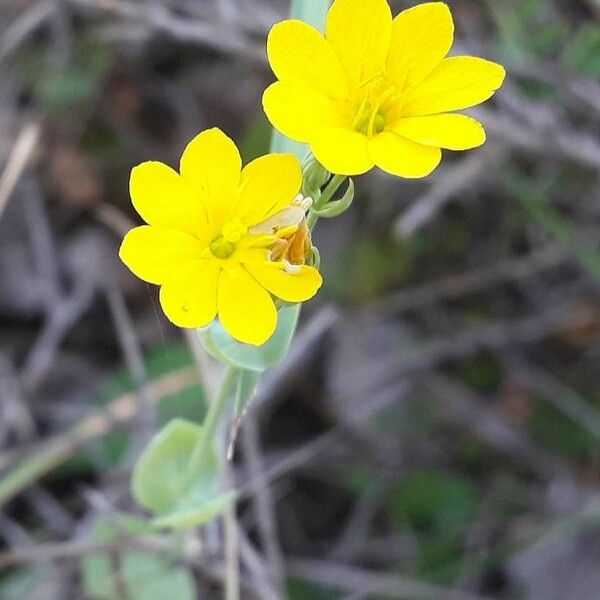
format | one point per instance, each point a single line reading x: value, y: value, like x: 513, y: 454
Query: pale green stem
x: 330, y: 189
x: 213, y: 417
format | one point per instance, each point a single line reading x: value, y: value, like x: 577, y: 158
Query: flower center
x: 223, y: 246
x: 234, y: 231
x: 370, y: 116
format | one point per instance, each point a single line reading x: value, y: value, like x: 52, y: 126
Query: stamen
x: 370, y: 119
x: 288, y: 267
x: 357, y: 125
x: 377, y: 120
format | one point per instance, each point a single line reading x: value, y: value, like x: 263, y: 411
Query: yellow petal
x: 284, y: 222
x: 342, y: 151
x: 268, y: 184
x: 454, y: 132
x: 401, y: 157
x: 189, y: 296
x: 296, y: 111
x: 299, y: 54
x: 153, y: 253
x: 298, y: 286
x: 456, y: 83
x: 359, y: 32
x: 211, y: 164
x: 246, y: 309
x: 421, y: 38
x: 163, y: 198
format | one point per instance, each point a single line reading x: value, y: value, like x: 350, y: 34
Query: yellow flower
x: 210, y: 234
x: 376, y: 90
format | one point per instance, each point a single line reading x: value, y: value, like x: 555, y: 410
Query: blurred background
x: 434, y: 431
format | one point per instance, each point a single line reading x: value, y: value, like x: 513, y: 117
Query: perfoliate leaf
x: 192, y: 517
x: 161, y: 478
x: 164, y: 482
x: 144, y: 576
x: 219, y: 344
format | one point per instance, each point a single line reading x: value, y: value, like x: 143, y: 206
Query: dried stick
x: 18, y: 160
x: 57, y: 450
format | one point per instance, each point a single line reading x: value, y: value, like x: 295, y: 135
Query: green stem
x: 213, y: 418
x: 332, y: 187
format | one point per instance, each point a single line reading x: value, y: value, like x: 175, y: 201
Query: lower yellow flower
x: 211, y: 235
x: 377, y: 90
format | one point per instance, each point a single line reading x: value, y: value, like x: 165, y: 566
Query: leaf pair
x: 221, y: 346
x: 179, y: 493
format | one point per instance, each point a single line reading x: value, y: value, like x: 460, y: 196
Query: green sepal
x: 337, y: 207
x: 314, y: 260
x: 314, y: 177
x: 220, y: 345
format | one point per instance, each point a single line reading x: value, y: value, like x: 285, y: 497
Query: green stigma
x: 369, y: 123
x: 222, y: 248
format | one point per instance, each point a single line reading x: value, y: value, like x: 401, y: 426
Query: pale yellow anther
x: 289, y: 268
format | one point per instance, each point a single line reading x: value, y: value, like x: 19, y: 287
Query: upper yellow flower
x: 376, y: 90
x: 210, y: 235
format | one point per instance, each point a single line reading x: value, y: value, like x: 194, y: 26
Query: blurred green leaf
x: 482, y: 373
x: 434, y: 501
x: 440, y: 559
x: 438, y: 508
x: 188, y: 404
x: 57, y: 88
x: 164, y: 483
x: 533, y: 196
x: 367, y: 267
x: 583, y: 52
x: 301, y: 590
x: 527, y: 30
x: 144, y: 576
x: 360, y: 480
x: 18, y: 585
x: 223, y: 347
x: 550, y: 428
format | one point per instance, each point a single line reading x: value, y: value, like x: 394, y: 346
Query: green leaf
x: 534, y: 199
x: 583, y: 53
x: 19, y: 585
x: 143, y: 575
x: 223, y: 347
x: 164, y: 484
x: 184, y: 518
x: 161, y: 476
x: 435, y: 501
